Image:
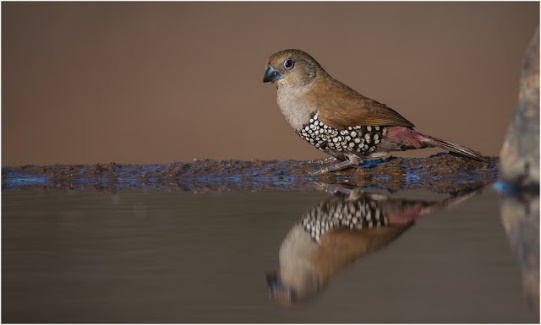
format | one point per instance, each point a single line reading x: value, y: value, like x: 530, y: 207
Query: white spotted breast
x: 360, y: 140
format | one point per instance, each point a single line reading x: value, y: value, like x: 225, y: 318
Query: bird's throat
x: 295, y: 106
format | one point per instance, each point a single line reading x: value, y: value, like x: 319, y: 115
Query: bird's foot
x: 322, y: 160
x: 333, y: 168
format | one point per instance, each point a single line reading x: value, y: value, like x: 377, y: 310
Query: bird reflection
x: 340, y: 230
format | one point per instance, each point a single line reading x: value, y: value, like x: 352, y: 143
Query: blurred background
x: 163, y: 82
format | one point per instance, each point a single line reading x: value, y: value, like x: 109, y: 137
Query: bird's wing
x: 341, y: 106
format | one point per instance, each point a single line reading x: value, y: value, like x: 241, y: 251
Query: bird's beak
x: 272, y: 74
x: 279, y: 293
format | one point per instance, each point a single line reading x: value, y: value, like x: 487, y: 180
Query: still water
x: 156, y: 256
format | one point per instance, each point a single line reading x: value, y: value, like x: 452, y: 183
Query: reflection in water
x: 179, y: 257
x: 520, y: 218
x: 340, y: 230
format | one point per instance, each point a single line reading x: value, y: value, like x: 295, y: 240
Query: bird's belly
x: 361, y: 141
x: 363, y: 212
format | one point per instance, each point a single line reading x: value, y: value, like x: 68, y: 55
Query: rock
x: 520, y: 151
x: 443, y: 172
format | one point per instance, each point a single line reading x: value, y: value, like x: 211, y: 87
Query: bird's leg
x: 341, y: 165
x: 322, y: 160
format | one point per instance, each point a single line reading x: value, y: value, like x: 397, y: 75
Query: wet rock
x: 520, y: 151
x: 443, y: 172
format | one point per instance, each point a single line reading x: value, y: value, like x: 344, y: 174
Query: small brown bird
x: 338, y: 120
x: 340, y: 230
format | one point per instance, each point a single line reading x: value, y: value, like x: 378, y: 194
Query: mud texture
x: 440, y: 173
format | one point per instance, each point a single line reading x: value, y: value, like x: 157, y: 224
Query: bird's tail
x: 407, y: 138
x: 431, y: 141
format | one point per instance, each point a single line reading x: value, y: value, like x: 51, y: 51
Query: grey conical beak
x: 272, y: 74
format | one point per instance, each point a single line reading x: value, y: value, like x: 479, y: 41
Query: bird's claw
x: 336, y: 167
x: 322, y: 160
x: 319, y: 172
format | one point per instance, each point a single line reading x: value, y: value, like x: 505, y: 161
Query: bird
x: 346, y: 227
x: 332, y: 235
x: 340, y: 121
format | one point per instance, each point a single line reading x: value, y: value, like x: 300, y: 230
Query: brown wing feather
x: 340, y: 106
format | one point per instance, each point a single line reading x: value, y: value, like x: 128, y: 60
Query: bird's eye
x: 288, y: 64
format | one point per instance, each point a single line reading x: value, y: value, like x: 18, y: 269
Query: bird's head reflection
x: 338, y: 231
x: 284, y: 294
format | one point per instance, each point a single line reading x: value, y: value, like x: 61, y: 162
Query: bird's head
x: 298, y: 278
x: 291, y: 68
x: 289, y: 292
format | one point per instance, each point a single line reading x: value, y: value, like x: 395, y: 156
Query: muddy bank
x: 441, y: 173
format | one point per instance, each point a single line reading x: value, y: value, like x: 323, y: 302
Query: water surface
x: 156, y: 256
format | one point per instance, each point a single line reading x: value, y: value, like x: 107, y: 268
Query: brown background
x: 163, y: 82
